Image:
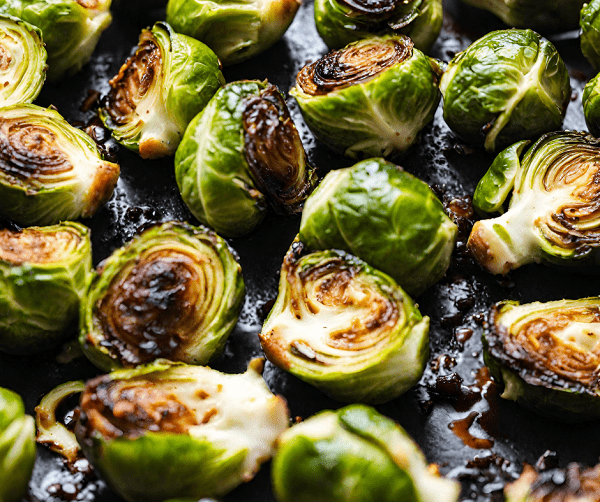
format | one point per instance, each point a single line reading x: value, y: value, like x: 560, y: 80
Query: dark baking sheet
x: 454, y: 413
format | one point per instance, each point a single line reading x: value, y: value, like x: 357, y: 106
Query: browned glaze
x: 5, y: 58
x: 35, y: 246
x: 461, y: 429
x: 89, y: 4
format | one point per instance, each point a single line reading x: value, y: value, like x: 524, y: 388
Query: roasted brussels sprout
x: 236, y: 31
x: 354, y: 454
x: 44, y: 273
x: 159, y: 90
x: 49, y: 170
x: 547, y: 355
x: 17, y: 447
x: 70, y: 29
x: 552, y: 216
x: 340, y: 22
x: 176, y: 431
x: 174, y: 292
x: 22, y: 61
x: 345, y: 328
x: 509, y: 85
x: 370, y: 98
x: 240, y: 154
x: 591, y: 105
x: 590, y: 32
x: 386, y: 217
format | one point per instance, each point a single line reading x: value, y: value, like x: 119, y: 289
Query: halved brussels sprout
x: 49, y: 170
x: 590, y: 32
x: 70, y: 29
x: 340, y: 22
x: 44, y: 272
x: 354, y: 454
x: 591, y: 105
x: 509, y: 85
x: 235, y: 30
x: 159, y: 90
x: 370, y: 98
x: 174, y: 292
x: 240, y: 154
x: 345, y: 328
x: 547, y: 355
x: 17, y: 447
x: 22, y: 61
x: 176, y: 431
x: 553, y: 216
x: 386, y: 217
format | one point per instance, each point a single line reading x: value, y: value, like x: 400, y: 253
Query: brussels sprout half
x: 17, y: 447
x: 44, y: 272
x: 176, y: 431
x: 354, y: 454
x: 235, y: 29
x: 49, y: 170
x: 340, y: 22
x: 547, y: 355
x: 345, y: 328
x: 553, y: 215
x: 371, y: 98
x: 174, y: 292
x: 386, y: 217
x: 240, y: 154
x: 509, y: 85
x: 590, y: 32
x: 70, y: 29
x: 159, y: 90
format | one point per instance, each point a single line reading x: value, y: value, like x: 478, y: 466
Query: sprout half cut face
x: 44, y: 273
x: 547, y: 355
x: 49, y: 170
x: 159, y: 90
x: 370, y: 98
x: 175, y: 431
x: 553, y: 215
x: 345, y: 328
x: 174, y: 292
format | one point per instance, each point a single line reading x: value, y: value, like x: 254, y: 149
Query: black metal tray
x: 454, y: 414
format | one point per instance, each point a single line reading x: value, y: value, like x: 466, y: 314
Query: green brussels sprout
x: 70, y: 29
x: 236, y: 31
x: 590, y: 32
x: 509, y: 85
x: 241, y: 154
x: 345, y: 328
x: 354, y: 454
x: 174, y: 292
x: 44, y: 273
x: 371, y: 98
x: 340, y: 22
x: 547, y: 355
x: 22, y: 61
x: 49, y: 170
x: 591, y: 105
x: 17, y: 447
x: 386, y: 217
x: 551, y: 217
x: 159, y: 90
x: 166, y: 431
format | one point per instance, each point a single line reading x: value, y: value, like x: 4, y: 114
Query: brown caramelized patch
x: 5, y: 58
x: 35, y: 246
x: 89, y: 4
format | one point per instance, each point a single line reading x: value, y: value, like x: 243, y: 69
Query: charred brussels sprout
x: 553, y: 214
x: 70, y: 29
x: 591, y: 105
x: 509, y: 85
x: 17, y: 447
x: 340, y: 22
x: 386, y: 217
x: 345, y: 328
x: 241, y: 154
x: 370, y: 98
x: 590, y: 32
x: 352, y: 455
x: 49, y: 170
x: 159, y: 90
x: 235, y: 30
x: 547, y: 355
x: 22, y: 61
x: 174, y: 292
x: 44, y: 273
x: 175, y: 431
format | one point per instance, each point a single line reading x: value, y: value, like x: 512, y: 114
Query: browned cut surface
x: 35, y: 246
